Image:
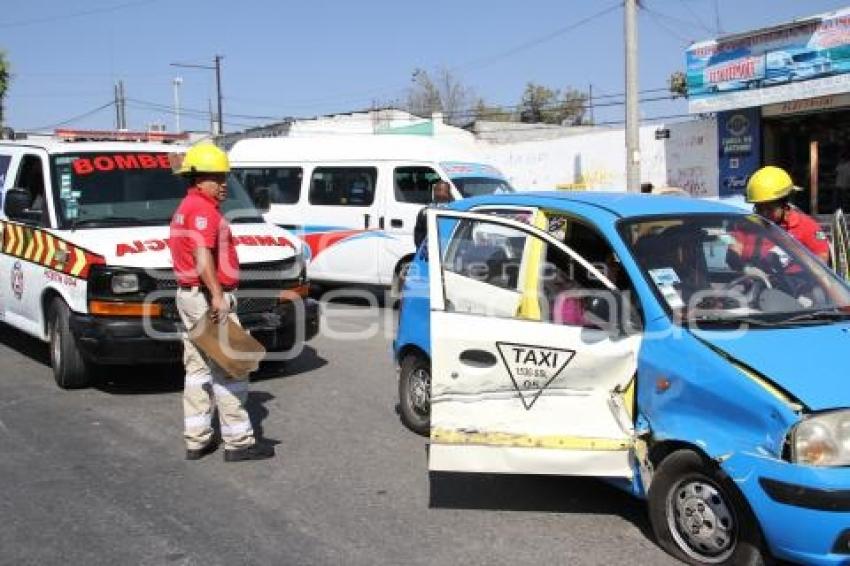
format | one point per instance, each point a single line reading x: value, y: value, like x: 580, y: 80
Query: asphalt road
x: 98, y: 477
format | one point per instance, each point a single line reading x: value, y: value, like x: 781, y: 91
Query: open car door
x: 517, y: 385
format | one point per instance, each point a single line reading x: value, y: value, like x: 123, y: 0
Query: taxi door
x: 516, y: 388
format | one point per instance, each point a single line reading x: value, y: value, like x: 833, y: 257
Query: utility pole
x: 177, y: 82
x: 120, y: 108
x: 632, y: 115
x: 217, y: 68
x: 218, y: 59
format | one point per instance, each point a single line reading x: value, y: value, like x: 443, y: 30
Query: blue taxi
x: 688, y: 350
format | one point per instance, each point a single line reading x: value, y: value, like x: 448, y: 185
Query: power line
x: 537, y: 41
x: 657, y: 21
x: 75, y: 118
x: 80, y: 14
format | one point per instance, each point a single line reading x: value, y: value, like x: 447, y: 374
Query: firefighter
x: 207, y: 273
x: 769, y: 189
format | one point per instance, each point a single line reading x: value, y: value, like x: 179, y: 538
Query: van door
x: 410, y: 192
x: 517, y: 385
x: 340, y: 224
x: 22, y: 278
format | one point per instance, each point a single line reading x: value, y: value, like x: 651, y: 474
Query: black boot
x: 198, y: 453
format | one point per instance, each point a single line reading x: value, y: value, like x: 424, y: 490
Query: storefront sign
x: 740, y: 149
x: 795, y: 61
x: 816, y: 104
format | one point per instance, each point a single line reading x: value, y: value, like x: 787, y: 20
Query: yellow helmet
x: 204, y: 158
x: 769, y: 183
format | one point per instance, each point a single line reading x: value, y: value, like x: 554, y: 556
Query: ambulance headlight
x: 124, y: 283
x: 822, y: 440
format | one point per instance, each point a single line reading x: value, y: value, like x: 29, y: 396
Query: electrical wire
x: 79, y: 14
x: 74, y: 118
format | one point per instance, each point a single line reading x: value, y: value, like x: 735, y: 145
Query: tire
x: 70, y: 370
x: 689, y: 491
x: 414, y: 393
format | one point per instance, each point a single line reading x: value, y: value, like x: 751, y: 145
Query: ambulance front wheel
x: 700, y: 517
x: 70, y: 370
x: 414, y: 393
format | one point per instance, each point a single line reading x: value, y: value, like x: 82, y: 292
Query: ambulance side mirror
x: 16, y: 206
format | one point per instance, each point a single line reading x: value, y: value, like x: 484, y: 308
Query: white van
x: 354, y: 199
x: 84, y: 259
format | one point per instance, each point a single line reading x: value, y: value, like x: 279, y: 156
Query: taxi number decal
x: 533, y: 368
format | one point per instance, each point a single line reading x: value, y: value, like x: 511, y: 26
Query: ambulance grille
x: 264, y: 277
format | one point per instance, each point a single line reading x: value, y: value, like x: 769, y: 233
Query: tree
x: 4, y: 86
x: 443, y: 93
x: 540, y: 104
x: 494, y: 113
x: 678, y: 84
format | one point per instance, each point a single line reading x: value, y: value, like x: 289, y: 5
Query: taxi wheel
x: 70, y: 370
x: 414, y: 393
x: 700, y: 517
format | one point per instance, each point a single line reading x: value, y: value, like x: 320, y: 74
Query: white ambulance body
x: 354, y: 198
x: 84, y: 259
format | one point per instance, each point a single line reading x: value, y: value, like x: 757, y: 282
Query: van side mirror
x: 263, y: 199
x: 16, y: 206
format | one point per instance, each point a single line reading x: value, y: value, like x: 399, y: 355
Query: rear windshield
x: 110, y: 189
x: 475, y: 186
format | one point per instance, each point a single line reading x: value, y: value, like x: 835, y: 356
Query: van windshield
x: 108, y: 189
x: 475, y: 186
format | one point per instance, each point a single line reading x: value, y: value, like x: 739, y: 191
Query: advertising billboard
x: 802, y: 59
x: 740, y: 149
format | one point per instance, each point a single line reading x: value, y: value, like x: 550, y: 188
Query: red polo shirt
x: 799, y: 225
x: 197, y: 222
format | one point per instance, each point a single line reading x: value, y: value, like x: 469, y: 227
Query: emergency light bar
x: 113, y: 135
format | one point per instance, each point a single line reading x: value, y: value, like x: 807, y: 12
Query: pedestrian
x: 207, y: 273
x: 441, y: 194
x: 770, y: 189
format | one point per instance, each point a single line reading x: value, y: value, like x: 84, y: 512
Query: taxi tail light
x: 109, y: 308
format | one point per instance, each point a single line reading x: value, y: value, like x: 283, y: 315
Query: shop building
x: 782, y: 97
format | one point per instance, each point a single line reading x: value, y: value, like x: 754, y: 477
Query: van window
x: 4, y: 166
x: 343, y: 186
x: 31, y: 177
x: 413, y: 184
x: 282, y: 183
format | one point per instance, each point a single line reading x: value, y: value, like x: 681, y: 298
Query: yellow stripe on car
x: 514, y: 440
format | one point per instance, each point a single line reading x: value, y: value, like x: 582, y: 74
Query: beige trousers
x: 207, y: 385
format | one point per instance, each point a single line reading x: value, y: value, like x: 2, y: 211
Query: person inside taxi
x: 442, y: 195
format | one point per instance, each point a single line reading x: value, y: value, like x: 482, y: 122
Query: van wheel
x: 700, y: 517
x: 414, y: 393
x: 70, y: 370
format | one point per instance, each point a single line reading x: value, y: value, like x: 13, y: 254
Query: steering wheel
x: 754, y: 281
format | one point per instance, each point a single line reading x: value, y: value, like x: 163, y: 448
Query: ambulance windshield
x: 125, y: 189
x: 727, y: 268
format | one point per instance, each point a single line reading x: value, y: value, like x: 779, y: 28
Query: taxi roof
x: 621, y: 205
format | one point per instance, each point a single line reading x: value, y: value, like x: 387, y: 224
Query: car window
x: 343, y: 186
x: 283, y: 184
x: 413, y: 184
x: 31, y: 177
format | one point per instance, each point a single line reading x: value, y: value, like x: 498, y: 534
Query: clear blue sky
x: 288, y: 58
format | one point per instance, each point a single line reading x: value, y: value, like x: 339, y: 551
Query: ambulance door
x: 6, y: 181
x: 22, y: 277
x: 529, y: 362
x: 409, y: 193
x: 341, y: 222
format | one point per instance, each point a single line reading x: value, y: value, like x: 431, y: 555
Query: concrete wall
x: 595, y: 160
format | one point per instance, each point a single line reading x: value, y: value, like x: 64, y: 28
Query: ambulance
x: 84, y: 258
x: 354, y: 198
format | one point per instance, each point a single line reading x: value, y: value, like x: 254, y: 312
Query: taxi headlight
x: 124, y: 283
x: 822, y: 440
